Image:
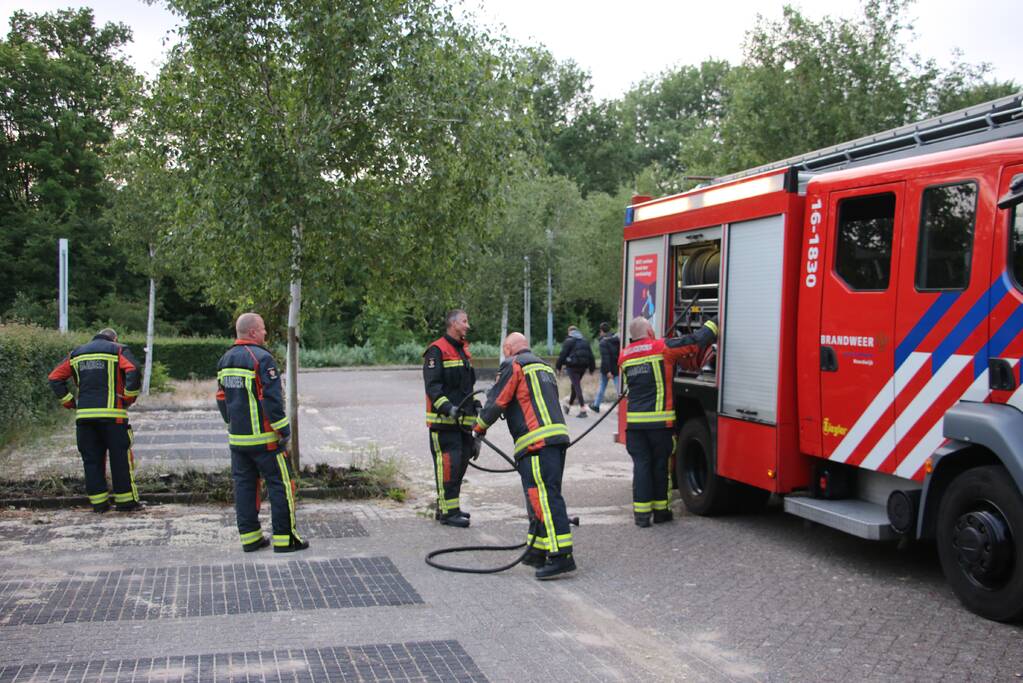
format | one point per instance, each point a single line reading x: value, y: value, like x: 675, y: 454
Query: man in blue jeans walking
x: 609, y: 348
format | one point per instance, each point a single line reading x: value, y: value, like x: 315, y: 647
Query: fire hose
x: 533, y: 525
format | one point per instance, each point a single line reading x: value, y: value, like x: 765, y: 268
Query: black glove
x: 477, y: 407
x: 477, y: 445
x: 449, y: 409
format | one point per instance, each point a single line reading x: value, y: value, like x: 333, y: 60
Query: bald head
x: 640, y: 328
x: 514, y: 343
x: 250, y: 326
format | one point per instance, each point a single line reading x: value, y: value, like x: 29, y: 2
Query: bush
x: 27, y: 355
x: 185, y: 357
x: 160, y: 379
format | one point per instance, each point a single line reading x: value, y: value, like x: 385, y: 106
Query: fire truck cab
x: 867, y: 370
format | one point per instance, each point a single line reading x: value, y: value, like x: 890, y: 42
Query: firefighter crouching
x: 647, y: 370
x: 526, y: 392
x: 108, y: 382
x: 250, y: 401
x: 449, y: 378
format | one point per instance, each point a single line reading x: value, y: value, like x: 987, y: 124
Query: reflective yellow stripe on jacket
x: 530, y: 438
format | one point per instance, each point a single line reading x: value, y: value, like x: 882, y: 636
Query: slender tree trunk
x: 504, y: 327
x: 147, y: 374
x: 293, y: 317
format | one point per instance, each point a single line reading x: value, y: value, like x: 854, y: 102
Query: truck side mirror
x: 1015, y: 195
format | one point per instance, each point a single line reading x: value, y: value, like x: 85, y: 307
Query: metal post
x: 62, y: 283
x: 550, y: 315
x: 526, y: 313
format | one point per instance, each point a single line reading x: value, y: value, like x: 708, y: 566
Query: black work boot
x: 535, y: 557
x: 462, y: 513
x: 661, y: 516
x: 100, y: 508
x: 642, y: 519
x: 455, y: 519
x: 556, y: 566
x: 133, y: 506
x: 256, y: 545
x: 293, y: 547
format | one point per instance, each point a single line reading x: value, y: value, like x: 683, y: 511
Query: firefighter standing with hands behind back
x: 107, y: 376
x: 449, y: 378
x: 526, y: 392
x: 251, y: 403
x: 647, y: 369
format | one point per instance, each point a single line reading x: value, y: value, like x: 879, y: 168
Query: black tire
x: 980, y: 542
x: 703, y: 491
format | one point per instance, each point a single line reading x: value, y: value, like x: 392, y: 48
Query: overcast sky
x: 622, y: 42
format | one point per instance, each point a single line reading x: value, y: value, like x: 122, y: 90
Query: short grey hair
x: 108, y: 332
x: 452, y: 315
x: 246, y: 323
x: 638, y: 328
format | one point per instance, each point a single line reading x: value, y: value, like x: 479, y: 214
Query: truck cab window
x: 1016, y: 242
x: 864, y: 247
x: 947, y: 216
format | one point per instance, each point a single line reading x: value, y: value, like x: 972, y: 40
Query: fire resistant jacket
x: 526, y: 392
x: 449, y: 378
x: 648, y: 367
x: 107, y: 376
x: 249, y: 398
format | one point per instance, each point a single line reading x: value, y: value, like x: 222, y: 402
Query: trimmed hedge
x: 185, y: 357
x: 28, y: 354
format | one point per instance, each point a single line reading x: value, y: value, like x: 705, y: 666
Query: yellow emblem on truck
x: 834, y: 430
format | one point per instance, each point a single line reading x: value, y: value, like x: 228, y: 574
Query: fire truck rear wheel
x: 980, y: 542
x: 703, y: 491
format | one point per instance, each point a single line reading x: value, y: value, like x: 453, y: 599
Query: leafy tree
x: 335, y: 152
x: 63, y: 89
x: 808, y: 84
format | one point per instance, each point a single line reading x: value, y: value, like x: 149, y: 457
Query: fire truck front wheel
x: 702, y: 489
x: 980, y: 542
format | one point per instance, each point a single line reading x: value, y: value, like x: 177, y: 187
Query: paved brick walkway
x: 167, y: 595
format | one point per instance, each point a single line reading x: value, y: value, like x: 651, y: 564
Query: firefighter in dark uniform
x: 250, y: 401
x: 449, y: 378
x: 647, y: 369
x: 526, y: 392
x: 108, y: 382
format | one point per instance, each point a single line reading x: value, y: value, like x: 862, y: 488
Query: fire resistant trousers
x: 541, y: 474
x: 96, y: 438
x: 650, y: 450
x: 247, y: 467
x: 451, y: 450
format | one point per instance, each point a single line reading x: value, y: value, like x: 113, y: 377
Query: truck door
x: 1007, y: 265
x: 857, y: 351
x: 944, y: 302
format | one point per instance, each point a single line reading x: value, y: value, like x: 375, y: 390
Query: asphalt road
x: 167, y: 595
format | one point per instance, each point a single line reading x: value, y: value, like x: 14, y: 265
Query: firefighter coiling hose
x: 533, y: 525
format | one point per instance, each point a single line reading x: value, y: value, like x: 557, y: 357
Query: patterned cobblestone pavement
x: 167, y: 595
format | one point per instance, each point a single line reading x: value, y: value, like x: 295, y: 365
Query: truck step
x: 856, y: 517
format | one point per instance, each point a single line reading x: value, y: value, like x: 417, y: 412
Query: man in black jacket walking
x: 609, y: 348
x: 577, y: 358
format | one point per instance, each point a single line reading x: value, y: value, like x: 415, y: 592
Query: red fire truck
x: 867, y: 370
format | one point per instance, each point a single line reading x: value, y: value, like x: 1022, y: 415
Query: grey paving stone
x: 204, y: 590
x: 443, y: 660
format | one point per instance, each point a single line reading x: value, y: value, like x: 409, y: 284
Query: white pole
x: 62, y: 283
x: 526, y: 312
x: 147, y: 374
